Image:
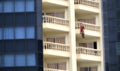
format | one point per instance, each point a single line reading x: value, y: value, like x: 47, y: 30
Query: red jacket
x: 82, y: 29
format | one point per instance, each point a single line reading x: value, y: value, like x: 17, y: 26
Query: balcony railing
x: 88, y: 51
x: 55, y: 20
x: 93, y: 3
x: 87, y: 26
x: 50, y: 69
x: 56, y: 46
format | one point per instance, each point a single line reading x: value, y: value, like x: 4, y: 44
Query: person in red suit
x: 82, y: 31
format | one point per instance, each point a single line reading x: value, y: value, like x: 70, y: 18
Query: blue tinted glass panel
x: 31, y: 60
x: 0, y: 61
x: 0, y: 33
x: 9, y: 60
x: 30, y: 32
x: 20, y: 33
x: 8, y: 6
x: 0, y: 6
x: 29, y: 5
x: 19, y: 5
x: 8, y: 33
x: 20, y: 60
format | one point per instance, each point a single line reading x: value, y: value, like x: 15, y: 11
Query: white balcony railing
x: 56, y: 46
x: 87, y: 26
x: 50, y: 69
x: 88, y: 51
x: 55, y: 20
x: 93, y: 3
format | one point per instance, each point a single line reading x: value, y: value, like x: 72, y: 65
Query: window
x: 60, y: 39
x: 19, y: 6
x: 31, y: 60
x: 87, y: 45
x: 30, y: 32
x: 0, y: 60
x: 0, y: 33
x: 8, y: 33
x: 9, y: 60
x: 20, y: 33
x: 1, y: 7
x: 8, y: 6
x: 29, y: 5
x: 61, y: 65
x: 88, y: 68
x: 20, y: 60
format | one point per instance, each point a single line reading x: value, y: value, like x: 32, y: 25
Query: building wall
x: 19, y: 44
x: 111, y: 17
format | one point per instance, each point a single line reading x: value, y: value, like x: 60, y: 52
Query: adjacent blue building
x: 21, y: 35
x: 111, y: 25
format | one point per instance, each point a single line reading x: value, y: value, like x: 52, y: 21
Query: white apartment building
x: 64, y: 47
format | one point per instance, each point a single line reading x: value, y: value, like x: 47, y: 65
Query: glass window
x: 1, y: 6
x: 31, y: 60
x: 31, y: 19
x: 29, y: 5
x: 19, y: 5
x: 20, y: 60
x: 20, y: 33
x: 20, y: 48
x: 8, y: 33
x: 9, y: 60
x: 30, y: 32
x: 0, y: 61
x: 0, y: 33
x: 8, y: 6
x: 20, y: 20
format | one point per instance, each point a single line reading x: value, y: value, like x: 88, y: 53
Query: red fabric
x: 82, y: 29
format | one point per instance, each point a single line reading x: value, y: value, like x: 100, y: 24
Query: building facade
x: 21, y: 35
x: 65, y: 49
x: 66, y: 46
x: 111, y: 26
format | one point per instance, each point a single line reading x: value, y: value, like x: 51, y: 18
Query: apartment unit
x: 21, y: 35
x: 64, y: 48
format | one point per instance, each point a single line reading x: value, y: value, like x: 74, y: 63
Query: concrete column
x: 102, y: 38
x: 72, y: 37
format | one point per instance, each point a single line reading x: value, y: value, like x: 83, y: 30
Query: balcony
x: 51, y: 23
x: 87, y: 5
x: 88, y: 2
x: 56, y: 49
x: 88, y: 54
x: 47, y: 4
x: 89, y: 29
x: 50, y: 69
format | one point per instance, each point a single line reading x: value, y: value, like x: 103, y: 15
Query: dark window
x: 118, y: 36
x: 9, y: 46
x: 9, y: 20
x: 20, y: 46
x: 20, y: 20
x: 31, y: 46
x: 31, y: 19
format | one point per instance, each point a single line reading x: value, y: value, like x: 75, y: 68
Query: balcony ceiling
x: 50, y: 31
x: 78, y: 36
x: 52, y: 6
x: 83, y: 12
x: 52, y: 57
